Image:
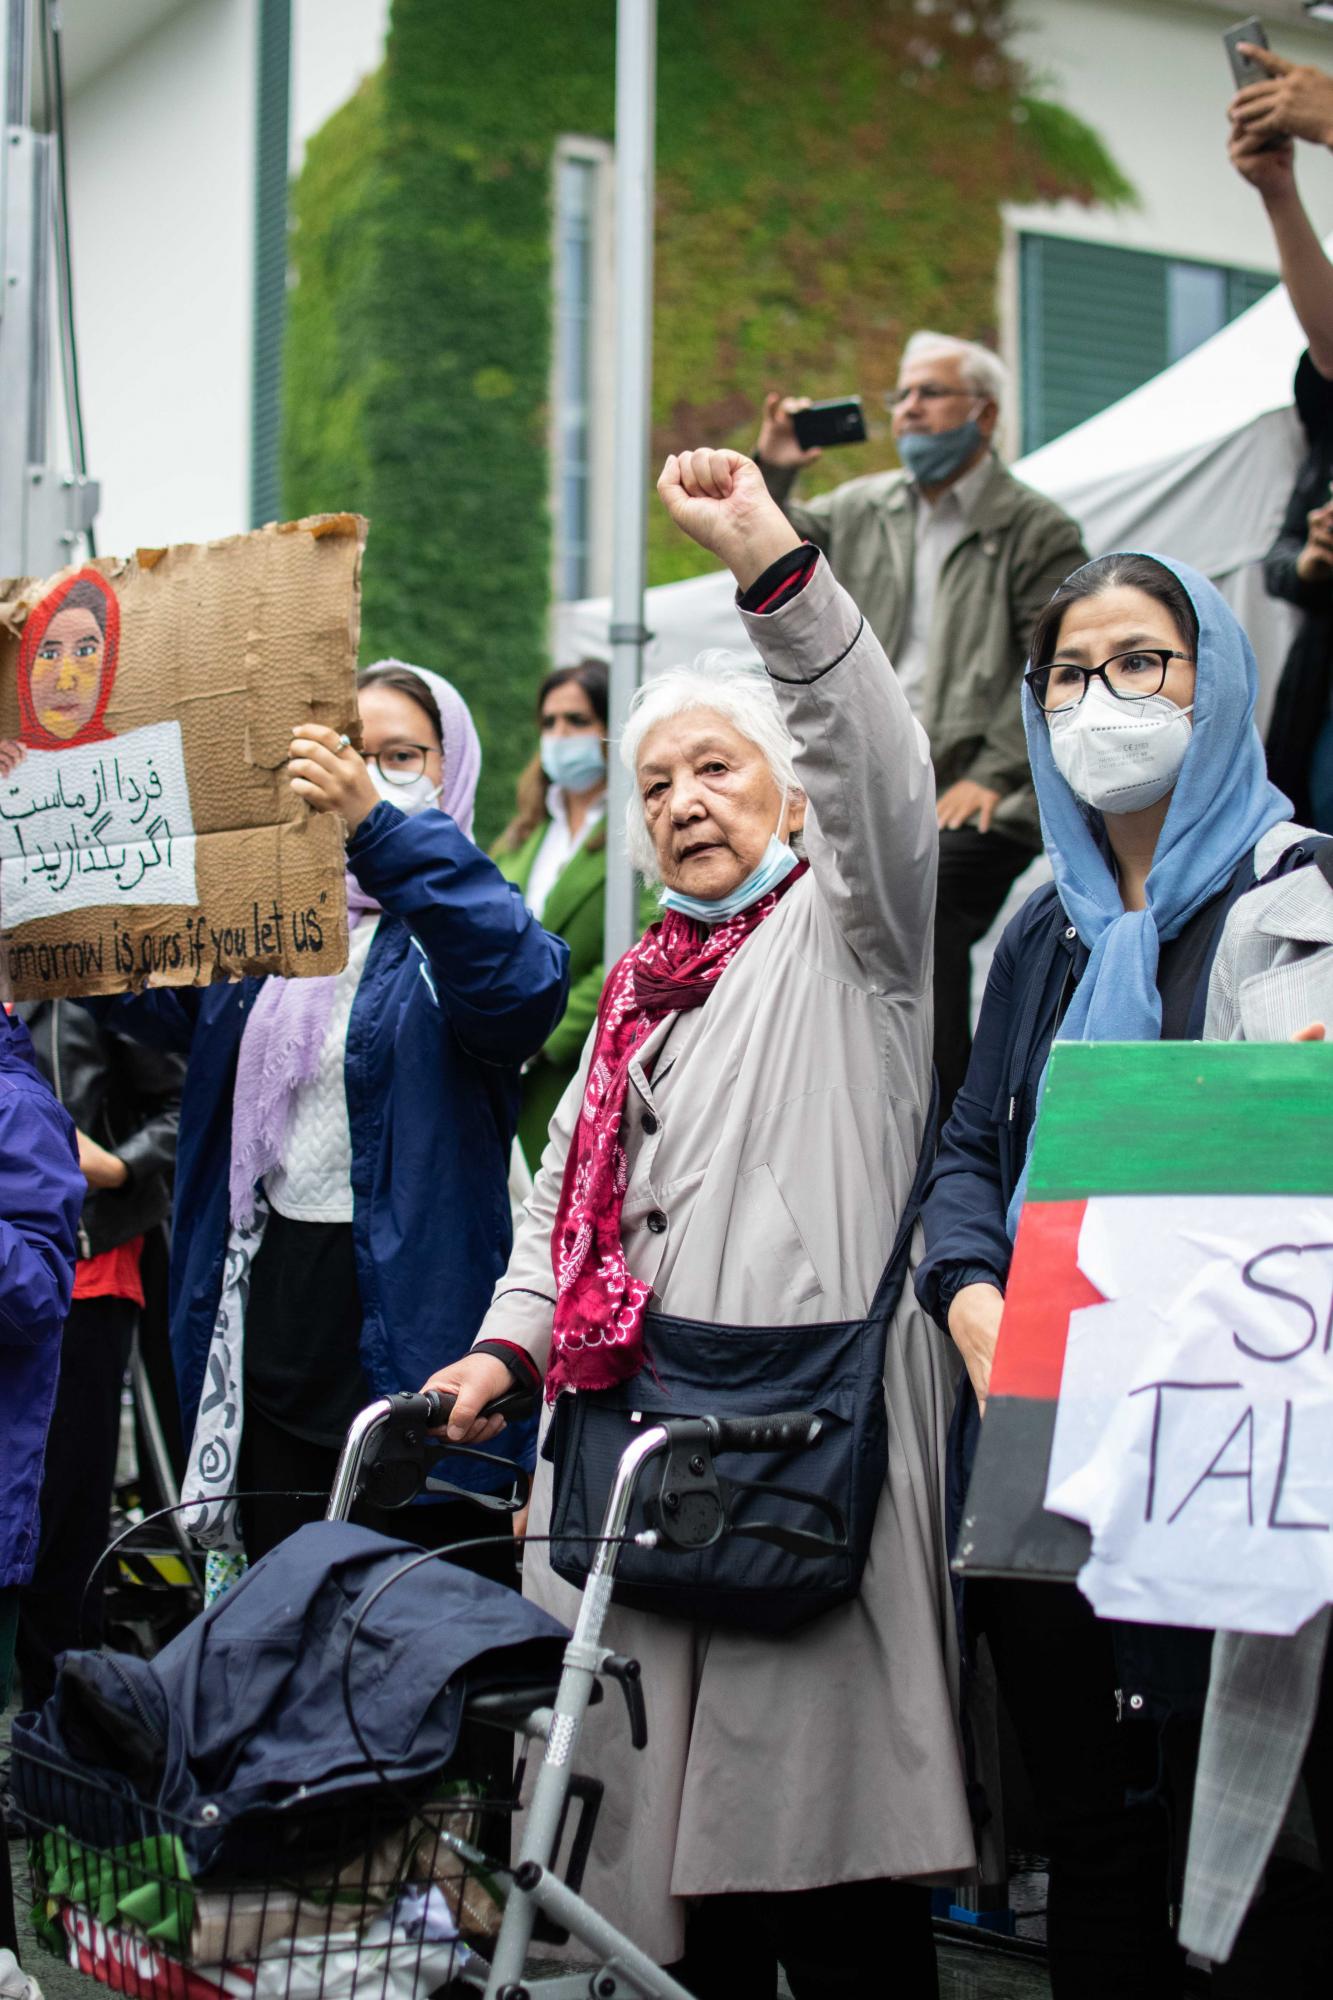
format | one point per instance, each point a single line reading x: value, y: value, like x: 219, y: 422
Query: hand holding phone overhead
x: 1283, y: 101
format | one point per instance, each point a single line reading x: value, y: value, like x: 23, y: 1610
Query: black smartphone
x: 841, y: 421
x: 1244, y: 68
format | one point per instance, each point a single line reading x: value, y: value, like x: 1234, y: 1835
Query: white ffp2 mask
x: 410, y: 798
x: 1119, y: 756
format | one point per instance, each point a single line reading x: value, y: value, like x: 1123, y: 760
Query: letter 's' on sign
x: 147, y: 830
x: 1161, y: 1414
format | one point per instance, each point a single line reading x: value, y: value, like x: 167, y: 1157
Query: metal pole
x: 636, y: 108
x: 17, y: 19
x: 43, y: 512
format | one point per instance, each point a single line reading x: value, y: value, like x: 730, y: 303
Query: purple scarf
x: 285, y: 1031
x: 279, y: 1052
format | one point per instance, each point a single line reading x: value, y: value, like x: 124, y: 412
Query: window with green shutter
x: 1096, y: 321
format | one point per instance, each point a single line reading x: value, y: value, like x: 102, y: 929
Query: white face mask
x: 413, y: 798
x: 1120, y: 756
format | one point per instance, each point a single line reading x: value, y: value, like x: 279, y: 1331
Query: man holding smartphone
x: 950, y: 560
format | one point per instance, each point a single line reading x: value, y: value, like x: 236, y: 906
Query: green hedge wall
x: 828, y: 179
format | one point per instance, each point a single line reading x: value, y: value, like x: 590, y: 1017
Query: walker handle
x: 792, y: 1430
x: 515, y: 1403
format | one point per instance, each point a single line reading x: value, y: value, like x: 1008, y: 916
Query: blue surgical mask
x: 576, y: 763
x: 775, y: 866
x: 934, y: 456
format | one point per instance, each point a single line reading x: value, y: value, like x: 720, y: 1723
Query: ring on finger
x: 344, y: 743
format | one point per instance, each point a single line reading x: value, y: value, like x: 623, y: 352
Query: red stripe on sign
x: 1045, y: 1286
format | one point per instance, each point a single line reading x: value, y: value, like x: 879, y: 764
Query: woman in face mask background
x: 1157, y: 816
x: 344, y: 1142
x: 554, y: 850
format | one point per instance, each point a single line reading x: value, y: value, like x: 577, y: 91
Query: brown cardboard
x: 155, y: 693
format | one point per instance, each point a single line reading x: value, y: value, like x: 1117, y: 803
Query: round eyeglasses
x: 1129, y: 677
x: 399, y: 763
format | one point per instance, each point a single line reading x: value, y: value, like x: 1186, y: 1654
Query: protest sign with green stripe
x: 1164, y: 1369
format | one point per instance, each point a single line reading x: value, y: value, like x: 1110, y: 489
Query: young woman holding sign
x: 1158, y: 816
x: 342, y: 1204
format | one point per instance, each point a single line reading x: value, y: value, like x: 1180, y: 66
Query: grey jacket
x: 771, y: 1139
x: 1273, y: 975
x: 1018, y: 547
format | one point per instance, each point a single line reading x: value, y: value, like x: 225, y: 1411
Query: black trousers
x: 1117, y: 1861
x: 1110, y: 1889
x: 54, y: 1612
x: 855, y: 1938
x: 276, y: 1468
x: 977, y: 871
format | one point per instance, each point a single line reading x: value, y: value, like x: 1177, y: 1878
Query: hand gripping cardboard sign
x: 148, y: 834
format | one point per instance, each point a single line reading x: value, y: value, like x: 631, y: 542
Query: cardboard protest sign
x: 147, y: 830
x: 1160, y: 1422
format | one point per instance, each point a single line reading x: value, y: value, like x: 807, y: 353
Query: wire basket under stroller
x: 367, y: 1898
x: 372, y: 1889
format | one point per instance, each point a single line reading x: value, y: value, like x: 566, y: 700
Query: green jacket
x: 574, y: 911
x: 1018, y: 547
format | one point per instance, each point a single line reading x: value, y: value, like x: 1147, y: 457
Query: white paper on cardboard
x: 1194, y: 1429
x: 101, y: 823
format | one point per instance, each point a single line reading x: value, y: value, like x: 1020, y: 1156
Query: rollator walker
x: 688, y: 1512
x: 398, y: 1896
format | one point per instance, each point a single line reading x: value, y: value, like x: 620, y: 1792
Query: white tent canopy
x: 1197, y: 464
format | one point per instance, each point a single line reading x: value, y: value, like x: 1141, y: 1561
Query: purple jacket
x: 41, y: 1195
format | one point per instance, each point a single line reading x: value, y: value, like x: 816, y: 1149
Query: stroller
x: 394, y: 1894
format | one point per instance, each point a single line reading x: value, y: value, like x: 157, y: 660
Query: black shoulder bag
x: 778, y: 1565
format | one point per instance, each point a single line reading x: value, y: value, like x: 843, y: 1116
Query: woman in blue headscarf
x: 1157, y: 815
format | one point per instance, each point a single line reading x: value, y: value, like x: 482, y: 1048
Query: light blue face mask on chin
x: 934, y: 456
x: 775, y: 865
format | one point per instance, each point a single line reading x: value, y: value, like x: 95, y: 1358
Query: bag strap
x: 890, y: 1287
x: 1299, y: 855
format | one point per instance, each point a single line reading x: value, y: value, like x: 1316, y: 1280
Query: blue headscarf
x: 1222, y: 804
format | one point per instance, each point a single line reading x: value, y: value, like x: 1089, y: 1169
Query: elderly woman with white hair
x: 737, y: 1151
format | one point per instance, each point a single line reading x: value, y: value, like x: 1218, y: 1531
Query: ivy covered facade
x: 828, y: 180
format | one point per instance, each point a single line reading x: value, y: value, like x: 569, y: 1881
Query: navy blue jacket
x: 240, y: 1723
x: 41, y: 1196
x: 1038, y: 962
x: 461, y: 986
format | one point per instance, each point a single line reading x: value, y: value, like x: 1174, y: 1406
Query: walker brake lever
x: 629, y: 1676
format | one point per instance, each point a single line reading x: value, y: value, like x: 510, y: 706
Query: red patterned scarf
x: 598, y: 1336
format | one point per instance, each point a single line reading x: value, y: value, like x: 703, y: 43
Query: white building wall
x: 335, y: 45
x: 1151, y: 78
x: 162, y: 161
x: 162, y: 146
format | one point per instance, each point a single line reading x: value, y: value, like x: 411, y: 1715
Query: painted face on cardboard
x: 710, y: 801
x: 66, y: 676
x: 67, y: 664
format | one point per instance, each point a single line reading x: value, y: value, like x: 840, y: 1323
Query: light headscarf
x: 459, y: 743
x: 1221, y: 806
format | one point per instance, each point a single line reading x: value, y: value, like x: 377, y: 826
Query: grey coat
x: 1019, y: 545
x: 1273, y: 975
x: 786, y: 1119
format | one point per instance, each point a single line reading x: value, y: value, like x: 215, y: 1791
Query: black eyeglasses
x: 1129, y: 677
x: 929, y: 392
x: 400, y: 763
